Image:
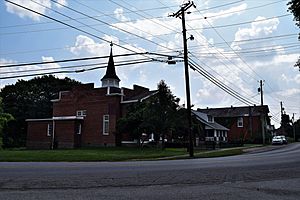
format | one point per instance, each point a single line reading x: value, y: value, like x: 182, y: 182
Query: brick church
x: 85, y: 115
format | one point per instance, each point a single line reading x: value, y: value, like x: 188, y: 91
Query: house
x: 85, y: 115
x: 212, y: 130
x: 244, y: 123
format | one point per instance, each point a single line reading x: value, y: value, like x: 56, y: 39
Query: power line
x: 232, y: 48
x: 93, y: 25
x: 237, y: 24
x: 127, y: 24
x: 218, y: 83
x: 73, y: 71
x: 125, y: 12
x: 61, y: 22
x: 69, y: 8
x: 66, y: 60
x: 66, y: 67
x: 251, y: 8
x: 85, y: 58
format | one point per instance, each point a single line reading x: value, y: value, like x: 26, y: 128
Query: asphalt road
x: 258, y: 175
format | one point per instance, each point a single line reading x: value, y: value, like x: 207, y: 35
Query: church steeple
x: 110, y: 79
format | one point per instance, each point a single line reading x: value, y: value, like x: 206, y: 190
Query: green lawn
x: 108, y: 154
x: 95, y: 154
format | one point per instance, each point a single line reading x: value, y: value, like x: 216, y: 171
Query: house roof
x: 236, y: 111
x: 110, y: 70
x: 212, y: 125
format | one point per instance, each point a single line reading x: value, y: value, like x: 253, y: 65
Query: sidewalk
x: 262, y: 149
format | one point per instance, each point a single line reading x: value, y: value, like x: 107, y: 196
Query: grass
x: 95, y: 154
x: 221, y: 153
x: 110, y: 154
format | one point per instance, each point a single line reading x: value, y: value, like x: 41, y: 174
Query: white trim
x: 240, y: 120
x: 146, y: 97
x: 137, y: 100
x: 79, y: 129
x: 130, y: 101
x: 49, y: 127
x: 81, y: 113
x: 104, y: 125
x: 59, y: 96
x: 33, y: 120
x: 55, y: 118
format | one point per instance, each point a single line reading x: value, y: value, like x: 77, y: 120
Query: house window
x: 105, y: 124
x: 81, y: 113
x: 240, y: 122
x: 78, y: 129
x: 210, y: 118
x: 49, y: 129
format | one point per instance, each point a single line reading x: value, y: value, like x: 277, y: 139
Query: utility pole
x: 281, y: 109
x: 261, y: 93
x: 294, y: 131
x: 260, y: 89
x: 180, y: 14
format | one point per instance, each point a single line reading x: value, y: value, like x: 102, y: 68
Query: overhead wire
x: 108, y: 24
x: 196, y: 57
x: 71, y: 26
x: 218, y: 83
x: 127, y: 24
x: 251, y: 8
x: 64, y: 67
x: 232, y: 48
x: 74, y: 71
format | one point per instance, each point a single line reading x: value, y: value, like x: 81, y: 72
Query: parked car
x: 277, y: 140
x: 284, y: 140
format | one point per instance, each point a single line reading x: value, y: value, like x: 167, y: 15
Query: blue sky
x: 238, y: 42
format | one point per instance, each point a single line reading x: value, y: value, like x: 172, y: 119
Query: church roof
x: 110, y: 70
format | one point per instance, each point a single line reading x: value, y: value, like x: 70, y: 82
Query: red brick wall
x: 37, y: 135
x: 96, y: 103
x: 64, y: 133
x: 236, y: 133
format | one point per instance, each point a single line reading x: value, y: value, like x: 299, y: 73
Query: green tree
x: 159, y: 114
x: 4, y: 119
x: 294, y: 7
x: 29, y: 99
x: 297, y: 129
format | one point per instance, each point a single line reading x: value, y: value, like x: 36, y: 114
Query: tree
x: 30, y: 99
x: 297, y: 129
x: 4, y: 119
x: 159, y: 114
x: 294, y: 7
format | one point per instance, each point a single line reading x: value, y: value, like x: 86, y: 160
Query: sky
x: 238, y: 42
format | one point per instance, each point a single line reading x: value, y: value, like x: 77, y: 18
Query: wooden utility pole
x: 181, y: 14
x: 261, y: 93
x: 260, y: 89
x: 293, y: 123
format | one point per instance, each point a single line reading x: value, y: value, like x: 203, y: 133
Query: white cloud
x: 23, y: 13
x: 148, y: 28
x: 236, y: 10
x: 87, y: 46
x: 297, y: 79
x: 119, y: 15
x: 61, y: 3
x: 53, y: 65
x: 258, y: 29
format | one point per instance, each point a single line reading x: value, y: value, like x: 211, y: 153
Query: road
x: 258, y: 175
